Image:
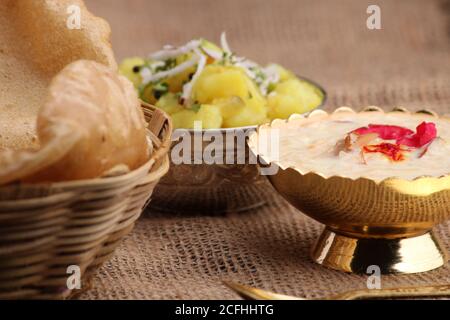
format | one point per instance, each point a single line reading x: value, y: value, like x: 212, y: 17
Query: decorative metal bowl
x: 386, y: 224
x: 215, y: 188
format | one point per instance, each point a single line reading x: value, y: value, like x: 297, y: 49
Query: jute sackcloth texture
x: 407, y: 63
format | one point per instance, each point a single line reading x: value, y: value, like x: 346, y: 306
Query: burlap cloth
x: 171, y: 256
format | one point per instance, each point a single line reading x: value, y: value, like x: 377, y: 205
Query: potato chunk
x: 284, y: 73
x: 183, y: 119
x: 218, y: 82
x: 237, y: 96
x: 130, y: 69
x: 209, y: 116
x: 169, y: 103
x: 293, y: 96
x: 239, y: 112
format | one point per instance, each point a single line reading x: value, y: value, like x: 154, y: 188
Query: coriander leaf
x: 160, y: 89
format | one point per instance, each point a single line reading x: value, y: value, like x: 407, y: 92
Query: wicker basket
x: 44, y: 229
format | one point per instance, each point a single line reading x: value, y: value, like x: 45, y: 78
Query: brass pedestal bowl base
x: 362, y: 255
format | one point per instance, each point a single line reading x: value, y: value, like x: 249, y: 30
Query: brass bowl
x: 214, y: 188
x: 211, y: 188
x: 386, y: 224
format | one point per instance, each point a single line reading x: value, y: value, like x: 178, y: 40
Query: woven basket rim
x: 167, y: 140
x: 91, y: 182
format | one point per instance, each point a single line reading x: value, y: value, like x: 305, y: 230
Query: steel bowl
x: 368, y: 224
x: 214, y: 188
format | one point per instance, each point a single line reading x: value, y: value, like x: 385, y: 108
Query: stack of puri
x: 65, y: 114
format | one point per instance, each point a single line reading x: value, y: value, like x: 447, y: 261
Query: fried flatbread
x: 35, y: 44
x: 62, y: 118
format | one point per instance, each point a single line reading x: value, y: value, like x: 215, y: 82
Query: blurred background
x: 407, y: 62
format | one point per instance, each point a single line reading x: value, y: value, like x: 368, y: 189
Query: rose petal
x: 385, y: 132
x: 426, y: 133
